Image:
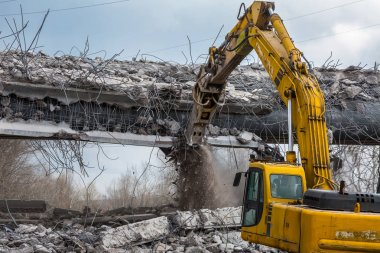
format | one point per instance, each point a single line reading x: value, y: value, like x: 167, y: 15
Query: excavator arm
x: 262, y: 30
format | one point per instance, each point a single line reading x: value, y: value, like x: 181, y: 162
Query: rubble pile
x: 138, y: 79
x: 191, y: 232
x: 135, y: 79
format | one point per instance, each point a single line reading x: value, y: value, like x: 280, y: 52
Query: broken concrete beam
x: 147, y: 231
x: 153, y: 229
x: 154, y: 98
x: 22, y: 206
x: 48, y: 130
x: 124, y: 219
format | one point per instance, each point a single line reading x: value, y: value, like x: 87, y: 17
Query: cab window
x: 253, y: 202
x: 286, y: 186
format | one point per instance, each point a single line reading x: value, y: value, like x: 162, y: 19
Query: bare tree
x: 358, y: 165
x: 152, y: 188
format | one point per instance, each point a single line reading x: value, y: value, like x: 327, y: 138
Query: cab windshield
x: 286, y: 186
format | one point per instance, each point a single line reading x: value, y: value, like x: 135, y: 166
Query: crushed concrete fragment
x: 26, y: 229
x: 41, y: 249
x: 226, y: 247
x: 352, y: 91
x: 213, y: 130
x: 334, y: 88
x: 196, y: 250
x: 193, y: 240
x: 349, y: 82
x: 161, y: 247
x: 173, y: 126
x: 224, y: 132
x: 245, y: 137
x: 188, y: 219
x: 203, y: 218
x: 234, y: 237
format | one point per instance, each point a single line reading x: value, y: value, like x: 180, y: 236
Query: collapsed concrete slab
x: 154, y: 98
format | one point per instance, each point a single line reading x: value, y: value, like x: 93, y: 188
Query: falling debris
x: 196, y: 181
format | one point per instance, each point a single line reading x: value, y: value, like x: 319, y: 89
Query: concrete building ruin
x: 148, y: 103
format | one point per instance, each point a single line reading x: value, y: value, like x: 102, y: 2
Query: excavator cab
x: 268, y: 183
x: 282, y: 182
x: 279, y: 211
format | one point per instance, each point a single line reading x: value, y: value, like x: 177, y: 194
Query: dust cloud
x: 205, y: 177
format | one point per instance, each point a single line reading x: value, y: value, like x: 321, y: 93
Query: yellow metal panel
x: 303, y: 229
x: 339, y: 229
x: 292, y: 228
x: 278, y: 219
x: 280, y: 223
x: 349, y: 246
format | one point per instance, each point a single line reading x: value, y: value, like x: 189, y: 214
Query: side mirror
x: 237, y: 179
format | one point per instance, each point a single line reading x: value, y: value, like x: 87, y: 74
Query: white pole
x: 290, y: 135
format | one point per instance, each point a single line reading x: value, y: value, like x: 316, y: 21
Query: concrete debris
x: 224, y: 132
x: 245, y: 137
x: 187, y: 219
x: 154, y: 235
x: 352, y: 91
x: 142, y: 79
x: 161, y: 247
x: 234, y: 131
x: 25, y: 229
x: 213, y: 130
x: 173, y: 126
x: 205, y: 218
x: 221, y: 217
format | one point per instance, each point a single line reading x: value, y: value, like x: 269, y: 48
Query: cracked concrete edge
x: 47, y: 130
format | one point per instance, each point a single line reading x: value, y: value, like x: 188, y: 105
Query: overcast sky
x: 350, y: 29
x: 151, y: 26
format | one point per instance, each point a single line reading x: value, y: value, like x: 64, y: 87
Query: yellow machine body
x: 291, y: 226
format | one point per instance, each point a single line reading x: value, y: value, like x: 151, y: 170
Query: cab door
x: 253, y: 198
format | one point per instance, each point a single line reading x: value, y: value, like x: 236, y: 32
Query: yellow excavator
x: 294, y: 205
